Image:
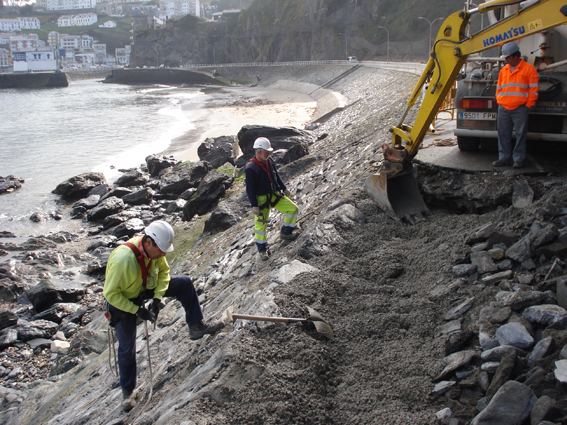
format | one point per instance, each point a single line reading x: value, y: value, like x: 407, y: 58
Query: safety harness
x: 274, y: 196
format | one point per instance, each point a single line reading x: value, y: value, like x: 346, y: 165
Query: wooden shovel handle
x: 266, y: 318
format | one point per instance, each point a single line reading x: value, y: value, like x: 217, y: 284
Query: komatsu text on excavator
x: 394, y: 188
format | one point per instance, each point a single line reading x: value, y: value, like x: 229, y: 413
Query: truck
x: 394, y: 188
x: 476, y: 92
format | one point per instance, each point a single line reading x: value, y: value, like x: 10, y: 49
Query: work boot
x: 265, y: 255
x: 289, y: 236
x: 200, y: 329
x: 129, y: 401
x: 501, y: 163
x: 518, y: 165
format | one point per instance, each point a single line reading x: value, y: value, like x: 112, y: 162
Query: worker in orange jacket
x: 516, y: 93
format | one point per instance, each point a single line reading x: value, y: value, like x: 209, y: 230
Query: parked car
x: 352, y: 59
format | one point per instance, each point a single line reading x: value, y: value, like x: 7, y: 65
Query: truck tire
x: 468, y: 144
x: 489, y: 145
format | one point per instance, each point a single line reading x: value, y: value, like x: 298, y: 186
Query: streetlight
x: 346, y: 49
x: 387, y: 44
x: 430, y: 25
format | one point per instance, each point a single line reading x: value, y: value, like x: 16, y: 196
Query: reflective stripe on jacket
x: 519, y: 87
x: 124, y: 277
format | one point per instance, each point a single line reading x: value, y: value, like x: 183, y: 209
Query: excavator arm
x: 448, y: 54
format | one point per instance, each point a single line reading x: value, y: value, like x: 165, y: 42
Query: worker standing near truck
x: 517, y: 91
x: 266, y: 190
x: 138, y: 271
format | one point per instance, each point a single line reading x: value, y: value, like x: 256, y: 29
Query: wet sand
x: 231, y: 108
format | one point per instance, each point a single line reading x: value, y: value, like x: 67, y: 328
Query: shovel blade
x: 398, y: 196
x: 322, y: 327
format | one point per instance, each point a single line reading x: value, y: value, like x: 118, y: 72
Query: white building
x: 67, y: 41
x: 25, y: 41
x: 10, y: 25
x: 67, y: 4
x: 40, y: 59
x: 4, y: 59
x: 81, y: 20
x: 53, y: 39
x: 123, y: 56
x: 108, y: 24
x: 170, y: 8
x: 100, y: 53
x: 29, y: 23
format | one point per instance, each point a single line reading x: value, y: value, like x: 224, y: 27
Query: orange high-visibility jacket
x: 517, y: 88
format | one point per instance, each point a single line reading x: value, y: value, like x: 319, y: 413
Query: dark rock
x: 157, y: 163
x: 280, y: 137
x: 507, y: 239
x: 510, y: 405
x: 543, y: 236
x: 7, y: 319
x: 555, y: 249
x: 142, y: 196
x: 10, y: 183
x: 188, y: 194
x: 116, y: 219
x: 11, y: 289
x: 183, y: 176
x: 294, y: 153
x: 217, y: 151
x: 129, y: 228
x: 107, y: 241
x: 8, y: 337
x: 74, y: 317
x: 520, y: 251
x: 118, y: 192
x: 36, y: 329
x: 69, y: 329
x: 131, y: 178
x: 83, y: 205
x: 48, y: 292
x: 57, y: 312
x: 227, y: 214
x: 503, y: 373
x: 540, y: 409
x: 107, y: 207
x: 100, y: 190
x: 211, y: 188
x: 79, y: 186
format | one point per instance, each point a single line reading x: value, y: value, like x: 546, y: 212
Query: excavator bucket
x: 397, y: 195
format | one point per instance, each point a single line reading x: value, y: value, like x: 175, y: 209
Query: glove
x: 146, y: 314
x: 287, y: 193
x: 256, y: 210
x: 155, y: 307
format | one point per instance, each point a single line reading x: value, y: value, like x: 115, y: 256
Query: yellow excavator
x: 394, y: 189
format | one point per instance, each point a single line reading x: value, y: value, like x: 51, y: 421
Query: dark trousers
x: 181, y: 288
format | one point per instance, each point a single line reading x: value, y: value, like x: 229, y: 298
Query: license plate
x: 491, y: 116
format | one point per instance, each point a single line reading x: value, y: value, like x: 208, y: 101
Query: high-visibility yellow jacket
x: 520, y: 87
x: 124, y: 277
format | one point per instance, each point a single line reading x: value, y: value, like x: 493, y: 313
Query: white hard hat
x: 162, y: 234
x: 509, y: 49
x: 263, y: 143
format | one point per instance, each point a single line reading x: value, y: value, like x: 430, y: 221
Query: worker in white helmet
x: 266, y: 190
x: 138, y: 271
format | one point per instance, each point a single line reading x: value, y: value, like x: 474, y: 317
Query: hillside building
x: 39, y: 59
x: 4, y: 59
x: 10, y: 25
x: 123, y: 56
x: 25, y: 41
x: 100, y: 54
x: 171, y: 8
x: 67, y: 4
x: 81, y: 20
x: 108, y: 24
x: 29, y: 23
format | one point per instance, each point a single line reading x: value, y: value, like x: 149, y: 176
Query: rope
x: 150, y: 364
x: 111, y: 351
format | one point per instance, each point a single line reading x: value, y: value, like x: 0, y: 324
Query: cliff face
x: 294, y: 30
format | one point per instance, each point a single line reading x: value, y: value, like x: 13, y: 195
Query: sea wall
x: 160, y: 76
x: 33, y: 79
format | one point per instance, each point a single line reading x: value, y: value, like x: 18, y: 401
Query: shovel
x: 322, y: 327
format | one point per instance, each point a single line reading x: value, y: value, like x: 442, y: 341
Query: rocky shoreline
x: 457, y: 319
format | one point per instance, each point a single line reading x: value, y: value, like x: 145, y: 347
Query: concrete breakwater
x: 160, y: 76
x: 33, y: 79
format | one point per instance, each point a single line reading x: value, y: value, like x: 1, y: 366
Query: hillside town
x: 24, y: 49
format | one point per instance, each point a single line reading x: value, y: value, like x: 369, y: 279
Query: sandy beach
x: 231, y: 108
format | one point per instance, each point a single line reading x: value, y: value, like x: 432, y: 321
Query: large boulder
x: 9, y: 184
x: 217, y: 151
x: 131, y: 178
x: 228, y: 213
x: 48, y: 292
x: 178, y: 179
x: 156, y: 163
x: 109, y: 206
x: 211, y: 188
x: 79, y: 186
x: 140, y: 197
x: 280, y: 138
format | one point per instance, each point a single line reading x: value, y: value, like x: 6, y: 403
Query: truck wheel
x: 468, y: 144
x: 489, y: 145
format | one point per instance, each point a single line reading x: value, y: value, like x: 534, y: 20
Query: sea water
x: 48, y: 135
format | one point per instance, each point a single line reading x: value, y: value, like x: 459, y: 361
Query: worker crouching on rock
x: 138, y: 271
x: 266, y: 190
